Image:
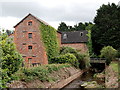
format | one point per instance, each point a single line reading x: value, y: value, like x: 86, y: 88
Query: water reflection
x: 86, y: 77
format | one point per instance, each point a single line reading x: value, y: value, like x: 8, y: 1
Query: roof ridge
x: 40, y: 20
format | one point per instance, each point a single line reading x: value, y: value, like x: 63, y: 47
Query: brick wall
x: 38, y: 53
x: 79, y: 46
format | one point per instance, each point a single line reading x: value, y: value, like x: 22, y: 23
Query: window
x: 29, y: 35
x: 65, y: 36
x: 24, y: 43
x: 81, y: 33
x: 24, y: 31
x: 29, y: 59
x: 30, y: 23
x: 33, y: 56
x: 29, y: 47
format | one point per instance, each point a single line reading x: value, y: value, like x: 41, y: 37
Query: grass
x: 41, y: 72
x: 114, y: 66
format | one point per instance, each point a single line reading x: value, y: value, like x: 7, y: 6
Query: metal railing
x: 97, y: 60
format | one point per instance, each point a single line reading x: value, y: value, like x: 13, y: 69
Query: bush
x: 10, y: 59
x: 67, y: 58
x: 4, y: 78
x: 64, y: 50
x: 109, y: 53
x: 82, y: 59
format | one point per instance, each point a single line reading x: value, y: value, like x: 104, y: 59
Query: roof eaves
x: 34, y: 17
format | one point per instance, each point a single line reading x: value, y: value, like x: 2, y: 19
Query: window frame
x: 64, y: 36
x: 30, y: 23
x: 29, y: 35
x: 29, y: 62
x: 81, y: 34
x: 29, y: 50
x: 29, y: 47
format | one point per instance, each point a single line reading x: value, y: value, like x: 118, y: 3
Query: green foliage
x: 83, y: 60
x: 89, y: 43
x: 10, y: 59
x: 41, y: 72
x: 63, y: 27
x: 66, y: 58
x: 65, y: 50
x: 4, y: 78
x: 109, y: 53
x: 77, y: 27
x: 115, y: 66
x: 118, y: 54
x: 106, y: 31
x: 49, y: 36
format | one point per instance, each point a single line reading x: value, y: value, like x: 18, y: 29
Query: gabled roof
x: 74, y: 37
x: 33, y: 17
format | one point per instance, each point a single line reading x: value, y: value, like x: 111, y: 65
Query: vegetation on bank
x: 41, y: 73
x: 112, y: 75
x: 10, y: 59
x: 109, y: 53
x: 114, y: 66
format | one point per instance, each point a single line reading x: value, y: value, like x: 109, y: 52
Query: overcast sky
x: 51, y: 11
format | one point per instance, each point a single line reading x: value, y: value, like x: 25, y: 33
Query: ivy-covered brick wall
x: 49, y: 38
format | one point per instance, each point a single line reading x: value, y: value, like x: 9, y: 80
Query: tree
x: 81, y: 26
x: 9, y: 32
x: 109, y: 53
x: 62, y: 27
x: 106, y: 30
x: 77, y: 27
x: 10, y: 59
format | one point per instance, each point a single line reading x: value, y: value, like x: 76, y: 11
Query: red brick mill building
x: 27, y: 38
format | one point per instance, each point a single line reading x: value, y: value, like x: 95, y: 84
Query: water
x: 86, y: 77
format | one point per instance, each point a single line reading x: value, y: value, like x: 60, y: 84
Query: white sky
x: 51, y: 11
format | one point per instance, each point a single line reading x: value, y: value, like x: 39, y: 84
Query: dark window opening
x: 33, y: 56
x: 34, y: 43
x: 29, y: 35
x: 81, y: 33
x: 30, y: 23
x: 24, y: 31
x: 29, y: 47
x: 29, y: 59
x: 24, y: 43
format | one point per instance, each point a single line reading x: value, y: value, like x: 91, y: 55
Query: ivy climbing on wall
x: 49, y: 38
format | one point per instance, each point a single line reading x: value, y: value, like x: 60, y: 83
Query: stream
x: 87, y: 76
